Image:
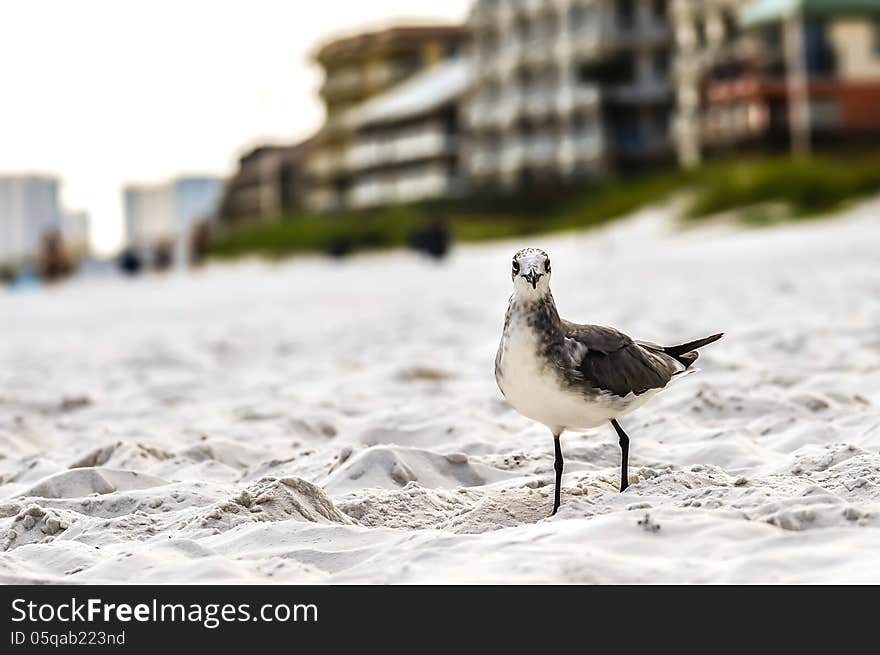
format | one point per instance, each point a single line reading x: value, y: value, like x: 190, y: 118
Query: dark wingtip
x: 676, y: 351
x: 704, y: 342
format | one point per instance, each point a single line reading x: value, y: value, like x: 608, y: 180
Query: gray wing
x: 611, y: 361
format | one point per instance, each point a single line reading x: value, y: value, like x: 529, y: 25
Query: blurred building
x: 778, y: 74
x: 163, y: 215
x: 357, y: 69
x: 567, y: 88
x: 29, y: 208
x: 270, y: 182
x: 405, y: 142
x: 706, y: 33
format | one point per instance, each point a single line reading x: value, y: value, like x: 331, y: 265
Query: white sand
x: 182, y: 429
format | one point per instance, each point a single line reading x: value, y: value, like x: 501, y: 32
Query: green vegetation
x: 7, y: 273
x: 806, y: 188
x: 760, y: 190
x: 307, y: 233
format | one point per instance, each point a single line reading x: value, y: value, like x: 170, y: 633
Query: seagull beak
x: 532, y: 278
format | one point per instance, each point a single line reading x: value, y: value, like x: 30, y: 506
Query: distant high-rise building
x: 29, y: 207
x: 163, y: 215
x: 149, y: 215
x: 357, y: 69
x: 563, y: 89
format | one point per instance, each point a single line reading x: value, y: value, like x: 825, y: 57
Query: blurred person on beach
x: 338, y: 247
x: 130, y: 262
x: 164, y: 256
x: 7, y: 275
x: 432, y: 239
x: 200, y: 242
x: 53, y: 263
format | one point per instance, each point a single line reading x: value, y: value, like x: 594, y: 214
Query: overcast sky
x: 102, y: 92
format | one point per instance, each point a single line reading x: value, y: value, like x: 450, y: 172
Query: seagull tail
x: 686, y: 352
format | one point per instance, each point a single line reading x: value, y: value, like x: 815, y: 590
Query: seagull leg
x: 557, y: 464
x: 624, y: 454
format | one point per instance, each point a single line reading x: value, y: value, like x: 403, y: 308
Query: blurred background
x: 148, y: 137
x: 244, y: 243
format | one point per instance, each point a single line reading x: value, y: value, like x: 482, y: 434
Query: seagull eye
x: 516, y: 267
x: 547, y: 266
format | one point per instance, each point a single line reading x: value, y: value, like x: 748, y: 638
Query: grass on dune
x: 806, y: 187
x: 765, y: 189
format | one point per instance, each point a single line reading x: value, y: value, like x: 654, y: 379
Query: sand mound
x: 80, y: 482
x: 36, y: 524
x: 269, y: 500
x: 173, y: 498
x: 225, y: 451
x: 392, y: 467
x: 508, y: 508
x: 413, y: 507
x: 119, y: 455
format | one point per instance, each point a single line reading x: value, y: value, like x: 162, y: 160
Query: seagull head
x: 530, y: 271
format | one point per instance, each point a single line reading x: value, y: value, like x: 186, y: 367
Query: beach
x: 323, y: 421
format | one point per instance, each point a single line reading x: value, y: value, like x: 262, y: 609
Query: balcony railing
x: 541, y: 102
x: 640, y: 92
x: 344, y: 85
x: 323, y: 164
x: 393, y: 188
x: 541, y: 150
x: 396, y: 148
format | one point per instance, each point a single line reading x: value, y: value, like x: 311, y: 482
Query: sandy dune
x: 322, y: 422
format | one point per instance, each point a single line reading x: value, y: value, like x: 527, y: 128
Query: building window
x: 662, y: 121
x: 661, y: 64
x: 825, y: 113
x: 548, y: 26
x: 580, y: 17
x: 658, y: 10
x: 731, y: 25
x: 626, y: 14
x: 877, y: 36
x: 619, y: 69
x: 773, y: 37
x: 700, y: 32
x: 522, y: 30
x: 488, y: 44
x: 820, y: 56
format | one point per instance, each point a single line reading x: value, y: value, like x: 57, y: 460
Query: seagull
x: 571, y: 377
